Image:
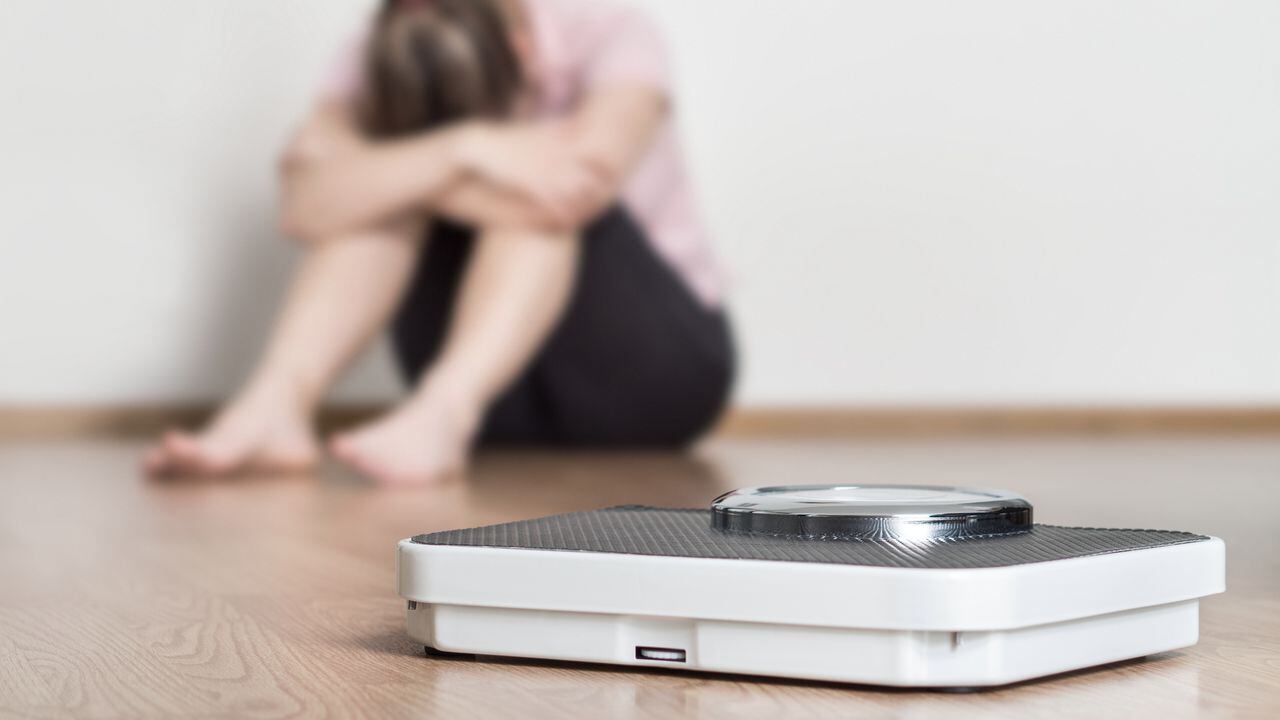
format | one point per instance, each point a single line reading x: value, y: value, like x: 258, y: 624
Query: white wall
x: 989, y: 201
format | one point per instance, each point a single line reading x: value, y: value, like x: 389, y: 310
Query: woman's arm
x: 553, y: 176
x: 607, y: 135
x: 333, y: 181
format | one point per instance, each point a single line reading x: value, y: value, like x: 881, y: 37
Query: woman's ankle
x: 442, y: 392
x: 280, y: 395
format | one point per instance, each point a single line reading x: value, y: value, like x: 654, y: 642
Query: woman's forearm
x: 477, y: 202
x: 442, y: 173
x: 538, y: 175
x: 354, y: 184
x: 554, y: 176
x: 417, y: 172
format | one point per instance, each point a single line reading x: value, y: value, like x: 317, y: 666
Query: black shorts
x: 636, y: 360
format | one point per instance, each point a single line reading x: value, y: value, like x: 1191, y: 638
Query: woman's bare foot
x: 424, y: 441
x: 263, y: 430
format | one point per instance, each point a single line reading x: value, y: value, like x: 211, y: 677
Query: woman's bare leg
x: 516, y: 288
x: 342, y: 295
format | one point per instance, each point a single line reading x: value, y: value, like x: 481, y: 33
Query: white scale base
x: 856, y: 624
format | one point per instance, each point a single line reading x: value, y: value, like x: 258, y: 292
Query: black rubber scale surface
x: 688, y: 533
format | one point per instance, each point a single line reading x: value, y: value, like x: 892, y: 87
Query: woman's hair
x: 431, y: 62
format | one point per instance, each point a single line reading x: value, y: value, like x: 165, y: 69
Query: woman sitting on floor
x: 499, y: 182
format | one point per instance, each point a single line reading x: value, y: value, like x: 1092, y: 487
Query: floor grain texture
x: 275, y: 597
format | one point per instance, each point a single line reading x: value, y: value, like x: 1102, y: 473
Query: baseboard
x: 998, y: 421
x: 138, y: 421
x: 751, y: 422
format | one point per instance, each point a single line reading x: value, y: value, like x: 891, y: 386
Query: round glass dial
x: 890, y: 512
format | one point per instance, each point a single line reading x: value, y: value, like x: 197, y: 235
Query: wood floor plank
x: 275, y: 597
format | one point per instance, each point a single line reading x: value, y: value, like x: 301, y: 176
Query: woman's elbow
x: 296, y: 224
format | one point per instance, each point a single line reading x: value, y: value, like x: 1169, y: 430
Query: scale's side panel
x: 883, y: 657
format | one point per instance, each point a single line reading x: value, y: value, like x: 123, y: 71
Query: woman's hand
x: 541, y: 162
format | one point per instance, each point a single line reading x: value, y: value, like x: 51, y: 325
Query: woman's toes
x: 154, y: 461
x: 260, y: 441
x: 343, y: 447
x: 191, y: 456
x: 346, y: 448
x: 177, y: 449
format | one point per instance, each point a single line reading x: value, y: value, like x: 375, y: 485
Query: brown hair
x: 431, y: 62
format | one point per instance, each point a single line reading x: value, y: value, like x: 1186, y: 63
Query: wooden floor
x: 275, y: 597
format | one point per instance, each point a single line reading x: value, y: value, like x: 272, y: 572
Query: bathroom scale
x: 917, y: 586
